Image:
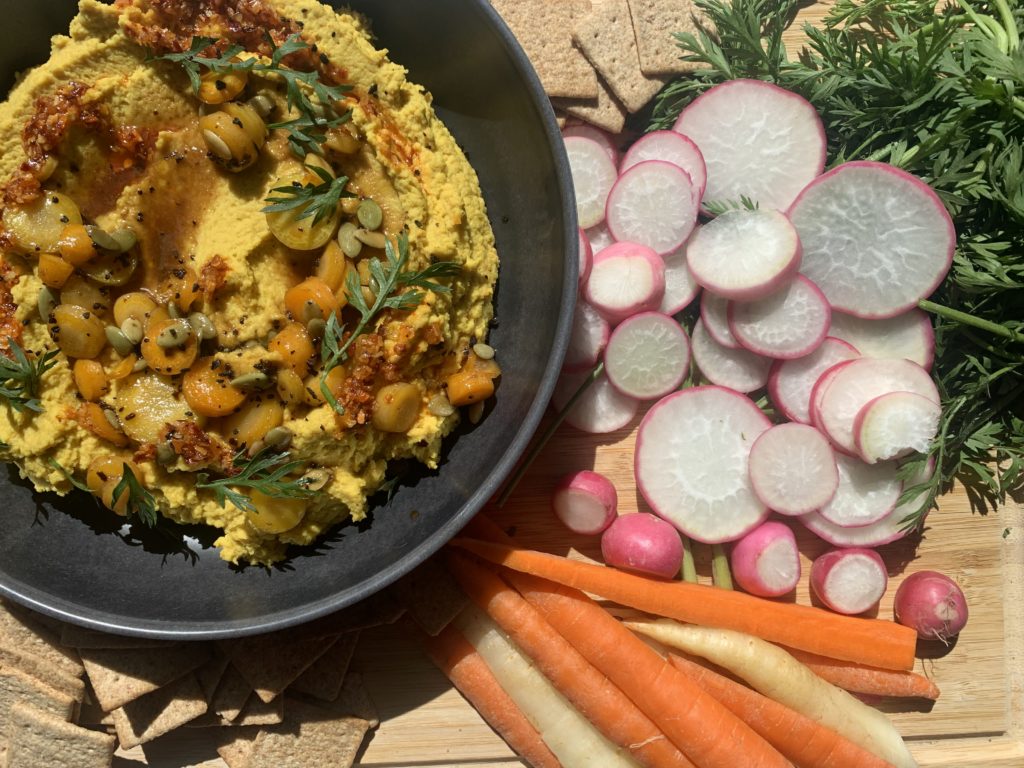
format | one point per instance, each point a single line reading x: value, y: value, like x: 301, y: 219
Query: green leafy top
x: 21, y: 377
x: 267, y: 472
x: 718, y: 207
x: 140, y: 505
x: 317, y: 200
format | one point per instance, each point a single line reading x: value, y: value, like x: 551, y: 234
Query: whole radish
x: 585, y: 502
x: 931, y: 603
x: 643, y: 543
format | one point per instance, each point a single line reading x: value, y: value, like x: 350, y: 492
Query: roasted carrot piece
x: 597, y: 699
x: 454, y: 656
x: 805, y: 742
x: 871, y: 642
x: 859, y: 678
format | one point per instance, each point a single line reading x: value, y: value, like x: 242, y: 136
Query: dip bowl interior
x: 72, y: 561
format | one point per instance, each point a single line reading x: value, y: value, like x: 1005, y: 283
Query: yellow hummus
x: 134, y: 157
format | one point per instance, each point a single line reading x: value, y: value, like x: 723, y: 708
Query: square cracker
x: 272, y: 662
x: 323, y: 680
x: 544, y: 30
x: 18, y: 632
x: 17, y: 687
x: 67, y: 683
x: 605, y: 35
x: 231, y: 695
x: 211, y: 673
x: 38, y: 738
x: 120, y: 676
x: 605, y: 111
x: 159, y: 712
x: 308, y: 736
x: 431, y: 595
x: 655, y: 23
x: 236, y: 746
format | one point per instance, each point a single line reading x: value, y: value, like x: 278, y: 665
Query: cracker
x: 18, y: 687
x: 159, y: 712
x: 605, y: 35
x: 655, y: 23
x: 237, y: 746
x: 72, y: 685
x: 308, y: 736
x: 120, y: 676
x: 231, y: 695
x: 323, y: 680
x: 19, y: 633
x: 544, y: 30
x: 38, y: 738
x: 431, y: 596
x: 81, y: 637
x: 210, y: 674
x: 354, y: 700
x: 272, y: 662
x: 605, y: 111
x: 259, y: 712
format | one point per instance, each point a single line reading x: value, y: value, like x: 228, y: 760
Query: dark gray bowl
x: 67, y: 559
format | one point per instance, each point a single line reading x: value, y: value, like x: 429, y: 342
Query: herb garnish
x: 21, y: 377
x: 266, y: 472
x: 386, y: 277
x: 317, y: 200
x: 141, y: 504
x: 718, y: 207
x: 936, y: 93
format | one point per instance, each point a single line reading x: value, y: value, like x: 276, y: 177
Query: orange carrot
x: 873, y: 642
x: 597, y: 699
x: 807, y: 743
x: 859, y: 678
x: 709, y: 734
x: 454, y: 656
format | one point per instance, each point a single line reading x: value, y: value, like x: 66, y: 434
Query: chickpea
x: 234, y: 135
x: 79, y: 292
x: 252, y: 422
x: 54, y: 271
x: 76, y: 246
x: 78, y: 331
x: 290, y: 387
x: 208, y: 391
x: 275, y: 515
x: 294, y: 346
x: 91, y: 379
x: 396, y: 407
x: 312, y: 298
x: 38, y: 226
x: 94, y: 419
x: 169, y: 360
x: 135, y: 304
x: 217, y: 88
x: 102, y: 469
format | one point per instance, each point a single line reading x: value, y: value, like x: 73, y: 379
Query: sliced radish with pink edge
x: 790, y: 381
x: 793, y: 469
x: 737, y: 369
x: 648, y: 356
x: 820, y: 388
x: 744, y: 255
x: 585, y: 502
x: 895, y: 425
x: 876, y: 239
x: 599, y: 237
x: 766, y: 562
x: 680, y: 287
x: 849, y: 581
x: 594, y: 134
x: 757, y: 140
x: 866, y: 493
x: 909, y: 336
x: 858, y: 383
x: 790, y: 323
x: 590, y: 333
x: 653, y: 203
x: 593, y: 174
x: 889, y: 529
x: 690, y: 462
x: 599, y: 410
x: 626, y: 278
x: 714, y: 313
x: 672, y: 147
x: 586, y: 258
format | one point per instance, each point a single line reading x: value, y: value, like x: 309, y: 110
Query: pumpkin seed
x: 372, y: 239
x: 483, y: 351
x: 47, y: 301
x: 133, y: 330
x: 278, y: 437
x: 174, y: 335
x: 439, y: 406
x: 173, y: 311
x: 316, y: 479
x: 140, y: 365
x: 119, y: 340
x: 101, y: 239
x: 125, y: 237
x: 251, y: 381
x: 475, y: 412
x: 217, y: 145
x: 262, y: 104
x: 369, y: 214
x: 202, y: 326
x: 165, y: 453
x: 316, y: 327
x: 311, y: 311
x: 350, y: 246
x: 112, y: 419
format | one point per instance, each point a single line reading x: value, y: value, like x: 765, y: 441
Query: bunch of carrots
x: 566, y: 682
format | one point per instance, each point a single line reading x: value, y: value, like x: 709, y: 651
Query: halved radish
x: 647, y: 356
x: 790, y: 323
x: 793, y: 469
x: 594, y: 134
x: 626, y: 278
x: 861, y: 381
x: 714, y: 312
x: 758, y: 141
x: 909, y: 336
x: 599, y: 237
x: 593, y: 174
x: 790, y: 381
x: 744, y: 255
x: 766, y: 562
x: 680, y: 287
x: 866, y: 493
x: 585, y: 502
x: 590, y: 332
x: 849, y: 581
x: 737, y: 369
x: 653, y: 203
x: 672, y: 147
x: 876, y: 239
x: 691, y: 462
x: 894, y: 425
x: 586, y: 258
x: 600, y: 409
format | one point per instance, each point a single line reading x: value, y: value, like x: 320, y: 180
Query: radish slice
x: 744, y: 255
x: 894, y: 425
x: 793, y: 469
x: 790, y: 381
x: 626, y: 278
x: 876, y: 239
x: 714, y: 313
x: 866, y: 493
x: 849, y: 581
x: 820, y: 388
x: 691, y: 462
x: 861, y: 381
x: 594, y: 134
x: 790, y: 323
x: 589, y: 337
x: 758, y: 141
x: 680, y: 287
x: 736, y: 369
x: 908, y: 336
x: 672, y: 147
x: 601, y: 408
x: 593, y: 174
x: 648, y: 356
x: 653, y: 203
x: 586, y: 259
x: 585, y: 502
x: 766, y: 562
x: 599, y: 237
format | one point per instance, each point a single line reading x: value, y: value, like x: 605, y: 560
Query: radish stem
x: 967, y: 319
x: 720, y: 572
x: 689, y: 569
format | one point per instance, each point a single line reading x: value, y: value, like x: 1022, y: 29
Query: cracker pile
x: 600, y: 60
